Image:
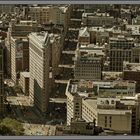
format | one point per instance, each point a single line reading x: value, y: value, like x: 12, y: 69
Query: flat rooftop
x: 109, y: 75
x: 25, y: 74
x: 121, y: 38
x: 86, y: 87
x: 23, y: 38
x: 91, y: 102
x: 114, y: 112
x: 41, y: 38
x: 95, y: 14
x: 131, y: 66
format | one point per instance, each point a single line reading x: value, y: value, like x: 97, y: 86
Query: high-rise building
x: 120, y: 50
x: 39, y: 62
x: 19, y: 57
x: 1, y: 79
x: 51, y: 14
x: 15, y: 32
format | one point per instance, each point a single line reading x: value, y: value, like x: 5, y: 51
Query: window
x: 105, y: 121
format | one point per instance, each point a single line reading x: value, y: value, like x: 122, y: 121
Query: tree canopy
x: 10, y: 126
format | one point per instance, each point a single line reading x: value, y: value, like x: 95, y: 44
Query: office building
x: 107, y: 112
x: 87, y: 66
x: 131, y: 71
x: 39, y: 66
x: 19, y: 57
x: 97, y: 19
x: 15, y: 32
x: 120, y: 50
x: 51, y: 14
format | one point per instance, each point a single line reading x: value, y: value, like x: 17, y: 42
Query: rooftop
x: 24, y: 39
x: 84, y: 32
x: 41, y: 38
x: 62, y: 8
x: 91, y: 102
x: 92, y: 56
x: 81, y: 87
x: 121, y: 38
x: 25, y: 74
x: 109, y: 75
x: 92, y: 46
x: 135, y: 29
x: 88, y: 88
x: 95, y: 14
x: 114, y: 111
x: 131, y: 66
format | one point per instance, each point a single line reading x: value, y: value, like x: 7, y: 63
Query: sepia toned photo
x: 69, y: 70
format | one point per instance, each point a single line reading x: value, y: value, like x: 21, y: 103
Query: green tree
x: 11, y: 127
x: 4, y: 131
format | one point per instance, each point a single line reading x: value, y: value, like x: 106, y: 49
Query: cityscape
x: 69, y: 70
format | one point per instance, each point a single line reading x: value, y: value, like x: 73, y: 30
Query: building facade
x: 120, y: 50
x: 16, y: 31
x: 131, y: 71
x: 87, y: 66
x: 19, y: 57
x: 24, y: 82
x: 39, y: 62
x: 51, y: 14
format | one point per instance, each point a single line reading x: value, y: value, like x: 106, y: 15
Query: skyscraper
x: 39, y: 59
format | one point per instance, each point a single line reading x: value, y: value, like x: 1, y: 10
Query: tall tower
x: 39, y: 51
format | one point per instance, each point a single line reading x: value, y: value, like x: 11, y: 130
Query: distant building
x: 116, y: 87
x: 56, y: 48
x: 84, y: 36
x: 136, y: 53
x: 134, y: 31
x: 131, y: 71
x: 19, y: 57
x: 17, y: 30
x: 39, y: 62
x: 97, y: 7
x: 81, y: 127
x: 88, y: 67
x: 107, y: 112
x: 136, y: 21
x: 51, y: 14
x: 107, y: 118
x: 24, y: 82
x: 97, y: 19
x: 127, y: 15
x: 82, y: 102
x: 7, y: 8
x: 88, y: 62
x: 120, y: 50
